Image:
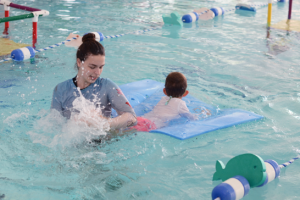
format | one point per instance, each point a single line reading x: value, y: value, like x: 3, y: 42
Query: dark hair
x: 89, y: 47
x: 176, y: 84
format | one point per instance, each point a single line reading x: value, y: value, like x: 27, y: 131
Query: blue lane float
x: 190, y: 17
x: 29, y: 52
x: 145, y: 94
x: 273, y: 171
x: 243, y: 6
x: 22, y: 53
x: 234, y: 188
x: 203, y: 13
x: 218, y: 11
x: 242, y: 173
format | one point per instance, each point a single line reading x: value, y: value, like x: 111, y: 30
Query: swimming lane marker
x: 55, y: 45
x: 28, y: 52
x: 134, y: 32
x: 206, y: 14
x: 242, y: 173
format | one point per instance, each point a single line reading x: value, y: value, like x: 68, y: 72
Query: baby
x: 169, y: 107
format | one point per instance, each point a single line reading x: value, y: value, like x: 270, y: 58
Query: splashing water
x: 53, y: 130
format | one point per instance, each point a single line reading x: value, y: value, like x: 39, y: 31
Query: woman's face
x: 90, y: 69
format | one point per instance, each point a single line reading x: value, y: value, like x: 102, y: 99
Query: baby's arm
x: 205, y: 112
x: 184, y: 112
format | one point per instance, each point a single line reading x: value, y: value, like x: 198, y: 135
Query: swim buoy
x: 22, y: 53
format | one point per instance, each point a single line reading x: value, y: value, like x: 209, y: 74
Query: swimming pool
x: 227, y: 64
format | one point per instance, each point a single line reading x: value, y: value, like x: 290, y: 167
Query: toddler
x: 169, y: 107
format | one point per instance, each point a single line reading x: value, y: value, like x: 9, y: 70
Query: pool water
x: 228, y: 63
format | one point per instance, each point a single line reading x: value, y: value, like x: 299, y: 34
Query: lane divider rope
x: 106, y: 37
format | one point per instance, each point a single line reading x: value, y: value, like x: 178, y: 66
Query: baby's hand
x: 202, y: 112
x: 206, y: 112
x: 196, y: 117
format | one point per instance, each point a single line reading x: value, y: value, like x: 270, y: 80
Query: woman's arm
x: 122, y: 121
x: 56, y: 103
x: 119, y: 102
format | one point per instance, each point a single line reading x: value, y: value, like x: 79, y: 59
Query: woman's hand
x: 91, y: 117
x: 122, y: 121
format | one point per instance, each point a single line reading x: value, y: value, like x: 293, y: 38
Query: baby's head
x: 176, y: 85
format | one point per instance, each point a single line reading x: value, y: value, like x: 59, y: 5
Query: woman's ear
x: 165, y: 91
x: 185, y: 93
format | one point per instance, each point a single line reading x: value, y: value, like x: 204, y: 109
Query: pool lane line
x: 289, y: 162
x: 106, y: 37
x: 55, y: 45
x: 44, y: 49
x: 133, y: 32
x: 193, y: 17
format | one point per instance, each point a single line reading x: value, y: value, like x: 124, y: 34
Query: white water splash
x: 11, y: 120
x: 53, y: 130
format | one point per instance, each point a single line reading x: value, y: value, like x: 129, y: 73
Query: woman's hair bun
x: 88, y: 37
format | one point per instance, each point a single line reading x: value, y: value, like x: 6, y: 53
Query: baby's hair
x: 89, y: 47
x: 176, y: 84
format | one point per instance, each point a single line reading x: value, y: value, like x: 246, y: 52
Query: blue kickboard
x: 145, y: 94
x: 246, y: 7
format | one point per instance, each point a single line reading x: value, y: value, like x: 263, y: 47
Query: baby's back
x: 163, y: 113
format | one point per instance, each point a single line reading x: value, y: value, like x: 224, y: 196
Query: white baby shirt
x: 163, y: 113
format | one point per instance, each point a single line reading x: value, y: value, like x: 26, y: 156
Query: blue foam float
x: 242, y: 173
x: 22, y: 53
x: 234, y: 188
x: 243, y: 6
x: 191, y: 17
x: 145, y: 94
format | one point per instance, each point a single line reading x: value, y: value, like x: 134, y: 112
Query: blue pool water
x: 227, y: 63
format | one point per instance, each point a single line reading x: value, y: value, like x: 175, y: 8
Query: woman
x: 101, y: 91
